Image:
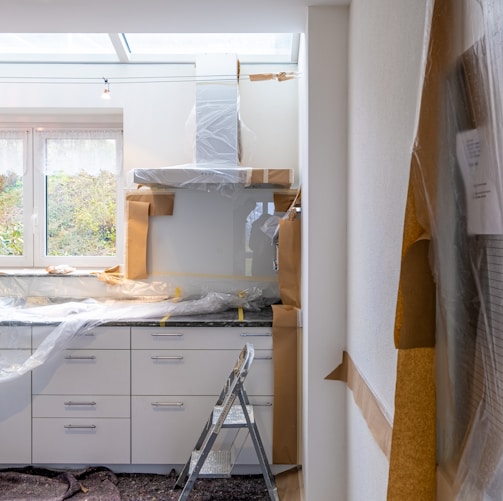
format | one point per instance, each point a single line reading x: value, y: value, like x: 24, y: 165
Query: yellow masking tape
x: 163, y: 320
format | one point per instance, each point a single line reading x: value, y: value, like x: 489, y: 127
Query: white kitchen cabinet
x: 15, y: 398
x: 128, y: 395
x: 81, y: 399
x: 176, y: 377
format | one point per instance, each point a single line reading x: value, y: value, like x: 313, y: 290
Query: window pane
x: 81, y: 192
x: 11, y: 196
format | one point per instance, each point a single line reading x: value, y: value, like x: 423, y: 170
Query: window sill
x: 42, y: 272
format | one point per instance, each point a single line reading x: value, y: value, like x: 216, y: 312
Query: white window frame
x: 34, y: 200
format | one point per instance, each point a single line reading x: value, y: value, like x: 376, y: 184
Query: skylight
x: 146, y: 47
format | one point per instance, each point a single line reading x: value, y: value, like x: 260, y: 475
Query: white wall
x: 386, y: 56
x: 324, y: 253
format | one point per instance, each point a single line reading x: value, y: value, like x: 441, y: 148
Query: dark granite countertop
x: 229, y: 318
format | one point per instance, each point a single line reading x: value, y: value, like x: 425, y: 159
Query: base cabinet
x: 15, y: 398
x: 81, y: 400
x: 176, y: 378
x: 15, y: 418
x: 130, y: 395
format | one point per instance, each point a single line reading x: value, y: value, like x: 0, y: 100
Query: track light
x: 106, y: 90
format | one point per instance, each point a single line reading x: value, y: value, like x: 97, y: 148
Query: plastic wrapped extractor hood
x: 217, y: 136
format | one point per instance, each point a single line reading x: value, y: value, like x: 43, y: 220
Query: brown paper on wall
x: 285, y: 426
x: 280, y: 177
x: 160, y: 204
x: 367, y: 402
x: 283, y: 201
x: 289, y: 259
x: 137, y: 232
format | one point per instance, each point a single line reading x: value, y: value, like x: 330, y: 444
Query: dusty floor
x: 101, y: 484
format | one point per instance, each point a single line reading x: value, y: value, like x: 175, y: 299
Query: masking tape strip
x: 162, y: 323
x: 379, y: 424
x: 215, y: 276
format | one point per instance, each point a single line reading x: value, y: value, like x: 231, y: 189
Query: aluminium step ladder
x: 227, y: 414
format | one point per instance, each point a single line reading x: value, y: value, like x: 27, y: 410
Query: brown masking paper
x: 367, y: 402
x: 160, y: 204
x: 279, y: 177
x: 289, y: 256
x: 285, y: 426
x: 283, y: 201
x: 137, y: 232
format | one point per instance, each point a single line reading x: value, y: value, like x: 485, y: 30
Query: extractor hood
x: 217, y: 136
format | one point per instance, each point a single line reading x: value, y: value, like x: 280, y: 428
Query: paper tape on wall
x: 372, y: 410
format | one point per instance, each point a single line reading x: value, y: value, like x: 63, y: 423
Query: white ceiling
x: 156, y: 16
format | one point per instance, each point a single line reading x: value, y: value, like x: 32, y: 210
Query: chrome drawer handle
x: 81, y: 357
x: 269, y: 357
x: 78, y: 426
x: 80, y: 403
x: 247, y: 334
x: 265, y: 404
x: 168, y: 334
x: 166, y: 357
x: 167, y: 404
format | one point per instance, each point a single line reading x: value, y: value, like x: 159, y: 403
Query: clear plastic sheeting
x: 75, y: 318
x: 460, y: 202
x: 212, y: 177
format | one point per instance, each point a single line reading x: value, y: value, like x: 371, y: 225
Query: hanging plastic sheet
x: 456, y: 196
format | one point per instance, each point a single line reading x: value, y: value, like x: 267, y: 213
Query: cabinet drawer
x: 77, y: 406
x: 99, y: 338
x: 84, y: 372
x: 196, y: 372
x: 154, y: 418
x: 59, y: 440
x: 18, y: 337
x: 166, y: 429
x: 203, y: 338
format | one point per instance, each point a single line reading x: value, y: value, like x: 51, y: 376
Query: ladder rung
x: 235, y: 417
x: 218, y: 464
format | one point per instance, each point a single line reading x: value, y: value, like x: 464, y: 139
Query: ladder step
x: 218, y: 464
x: 235, y: 417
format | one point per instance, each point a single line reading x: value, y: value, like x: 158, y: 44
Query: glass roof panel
x: 268, y: 44
x: 55, y: 43
x: 144, y: 47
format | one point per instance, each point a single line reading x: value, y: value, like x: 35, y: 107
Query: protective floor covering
x: 101, y: 484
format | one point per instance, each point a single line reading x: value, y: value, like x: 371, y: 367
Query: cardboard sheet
x: 412, y: 470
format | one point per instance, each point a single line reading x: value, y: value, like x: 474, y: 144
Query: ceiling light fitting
x: 106, y: 90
